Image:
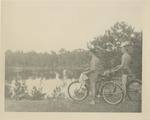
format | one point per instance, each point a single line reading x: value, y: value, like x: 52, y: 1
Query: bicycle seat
x: 100, y: 75
x: 131, y: 76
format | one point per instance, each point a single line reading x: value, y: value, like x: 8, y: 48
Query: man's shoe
x: 92, y: 102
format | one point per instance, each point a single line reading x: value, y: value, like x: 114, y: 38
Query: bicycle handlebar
x: 114, y: 69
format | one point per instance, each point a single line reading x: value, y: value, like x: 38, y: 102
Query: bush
x: 37, y: 94
x: 8, y: 94
x: 58, y: 94
x: 20, y: 91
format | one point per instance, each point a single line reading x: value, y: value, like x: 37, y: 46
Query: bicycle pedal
x: 98, y: 96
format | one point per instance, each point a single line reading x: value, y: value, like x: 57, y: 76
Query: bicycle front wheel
x: 134, y: 90
x: 77, y: 91
x: 112, y: 93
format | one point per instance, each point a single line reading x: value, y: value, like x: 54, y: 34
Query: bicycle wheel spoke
x: 77, y: 91
x: 134, y: 90
x: 112, y: 93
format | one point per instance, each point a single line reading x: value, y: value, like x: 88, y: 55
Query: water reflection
x: 29, y: 74
x: 35, y: 74
x: 49, y: 85
x: 48, y: 81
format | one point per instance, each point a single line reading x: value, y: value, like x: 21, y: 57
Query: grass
x: 68, y: 105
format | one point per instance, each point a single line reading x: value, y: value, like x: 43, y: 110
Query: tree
x: 63, y: 59
x: 108, y: 44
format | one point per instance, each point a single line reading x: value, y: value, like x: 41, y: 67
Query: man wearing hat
x: 125, y: 64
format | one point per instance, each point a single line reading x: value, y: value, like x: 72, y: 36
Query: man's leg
x: 93, y: 92
x: 93, y: 79
x: 124, y: 81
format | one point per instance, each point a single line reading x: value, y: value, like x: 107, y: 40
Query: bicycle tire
x: 109, y: 93
x: 134, y: 93
x: 73, y: 97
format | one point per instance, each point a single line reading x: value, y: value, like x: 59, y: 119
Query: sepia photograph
x: 72, y: 56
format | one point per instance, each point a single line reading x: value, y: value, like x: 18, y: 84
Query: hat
x: 124, y: 44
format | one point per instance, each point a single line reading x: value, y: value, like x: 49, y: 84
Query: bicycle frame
x: 100, y: 82
x: 102, y: 89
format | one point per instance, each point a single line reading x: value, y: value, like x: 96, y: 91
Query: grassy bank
x: 67, y: 105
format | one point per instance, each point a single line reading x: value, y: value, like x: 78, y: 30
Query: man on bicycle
x: 125, y: 65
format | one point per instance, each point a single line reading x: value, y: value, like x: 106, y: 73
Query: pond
x: 50, y: 83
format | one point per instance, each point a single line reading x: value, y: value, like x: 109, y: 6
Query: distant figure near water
x: 65, y: 77
x: 65, y: 74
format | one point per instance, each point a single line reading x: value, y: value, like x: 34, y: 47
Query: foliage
x: 62, y: 59
x: 37, y: 94
x: 8, y: 94
x: 108, y: 44
x: 57, y: 93
x: 17, y: 92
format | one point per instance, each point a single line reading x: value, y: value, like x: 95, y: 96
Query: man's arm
x: 87, y: 72
x: 121, y: 65
x: 122, y: 62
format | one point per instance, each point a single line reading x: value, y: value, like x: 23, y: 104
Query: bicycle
x: 133, y: 87
x: 111, y: 92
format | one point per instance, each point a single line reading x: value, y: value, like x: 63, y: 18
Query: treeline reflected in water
x: 42, y: 74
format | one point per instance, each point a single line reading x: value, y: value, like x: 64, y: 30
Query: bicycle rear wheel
x: 134, y: 90
x: 112, y: 93
x: 77, y: 91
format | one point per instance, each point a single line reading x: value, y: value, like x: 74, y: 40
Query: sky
x: 43, y: 26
